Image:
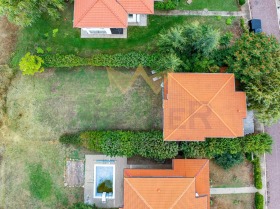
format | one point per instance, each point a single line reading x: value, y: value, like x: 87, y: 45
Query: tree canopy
x: 255, y: 61
x: 26, y: 12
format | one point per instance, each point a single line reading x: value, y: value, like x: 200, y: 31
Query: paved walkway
x: 273, y: 168
x: 200, y: 13
x: 240, y: 190
x: 266, y: 11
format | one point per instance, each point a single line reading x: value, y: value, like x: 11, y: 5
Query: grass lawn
x: 238, y: 176
x: 68, y: 41
x: 69, y: 100
x: 31, y: 176
x: 233, y: 201
x: 211, y: 5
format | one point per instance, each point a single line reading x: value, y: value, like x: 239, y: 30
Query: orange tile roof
x: 138, y: 6
x: 165, y: 189
x: 200, y: 105
x: 108, y: 13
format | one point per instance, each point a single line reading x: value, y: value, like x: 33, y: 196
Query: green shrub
x: 132, y: 59
x: 259, y: 201
x: 242, y: 2
x: 40, y: 182
x: 126, y: 143
x: 227, y: 161
x: 211, y: 147
x: 243, y: 25
x: 165, y: 5
x: 70, y: 139
x: 229, y: 21
x: 257, y: 173
x: 81, y: 205
x: 30, y: 64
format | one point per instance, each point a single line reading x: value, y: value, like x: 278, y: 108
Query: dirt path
x: 8, y: 36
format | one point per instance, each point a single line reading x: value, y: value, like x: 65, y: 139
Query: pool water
x: 102, y: 173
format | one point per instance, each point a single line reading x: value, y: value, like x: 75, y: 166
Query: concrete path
x: 200, y: 13
x: 266, y: 11
x: 273, y: 168
x: 240, y: 190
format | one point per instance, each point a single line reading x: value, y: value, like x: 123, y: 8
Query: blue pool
x: 104, y: 173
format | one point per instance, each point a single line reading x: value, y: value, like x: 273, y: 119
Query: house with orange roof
x: 184, y: 186
x: 201, y: 105
x: 110, y: 18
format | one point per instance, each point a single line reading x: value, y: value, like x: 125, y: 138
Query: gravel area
x: 273, y: 168
x: 266, y: 11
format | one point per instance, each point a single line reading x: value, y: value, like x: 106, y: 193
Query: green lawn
x: 211, y: 5
x: 69, y: 100
x: 68, y: 41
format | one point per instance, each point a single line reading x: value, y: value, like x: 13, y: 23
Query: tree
x: 227, y: 161
x: 31, y: 64
x: 26, y: 12
x: 188, y: 48
x: 255, y: 61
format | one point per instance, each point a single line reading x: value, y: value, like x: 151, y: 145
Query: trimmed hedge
x: 125, y: 143
x: 132, y: 59
x: 259, y: 201
x: 242, y: 2
x: 257, y: 173
x: 165, y: 5
x: 254, y: 143
x: 227, y: 161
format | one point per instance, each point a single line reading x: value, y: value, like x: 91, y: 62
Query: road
x: 266, y: 11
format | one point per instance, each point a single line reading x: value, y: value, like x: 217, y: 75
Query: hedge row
x: 259, y: 201
x: 125, y: 143
x: 132, y: 59
x: 254, y: 143
x: 257, y: 173
x: 165, y: 5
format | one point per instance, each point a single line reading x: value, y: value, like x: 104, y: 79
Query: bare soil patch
x: 233, y: 201
x: 238, y: 176
x: 8, y: 38
x: 74, y: 173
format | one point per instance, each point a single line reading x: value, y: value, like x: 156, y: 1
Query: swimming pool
x: 104, y: 174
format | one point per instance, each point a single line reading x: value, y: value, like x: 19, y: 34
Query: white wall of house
x: 97, y: 30
x: 133, y: 18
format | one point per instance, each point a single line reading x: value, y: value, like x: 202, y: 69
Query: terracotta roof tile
x: 99, y: 14
x: 138, y: 6
x: 164, y: 189
x: 108, y: 13
x: 202, y: 105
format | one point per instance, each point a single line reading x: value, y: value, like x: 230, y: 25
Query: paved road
x: 273, y: 168
x: 266, y: 11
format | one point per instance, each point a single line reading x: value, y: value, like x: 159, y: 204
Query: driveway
x: 266, y: 11
x: 273, y: 168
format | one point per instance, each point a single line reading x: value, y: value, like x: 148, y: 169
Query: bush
x: 165, y: 5
x: 229, y: 21
x: 70, y: 139
x: 132, y: 59
x: 254, y: 143
x: 227, y: 160
x: 31, y: 64
x: 242, y: 2
x: 259, y: 201
x: 126, y: 143
x: 257, y: 173
x: 81, y: 205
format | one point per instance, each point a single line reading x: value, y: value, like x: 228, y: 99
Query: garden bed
x: 232, y: 201
x: 238, y: 176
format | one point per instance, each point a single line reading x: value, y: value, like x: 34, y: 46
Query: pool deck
x: 120, y: 164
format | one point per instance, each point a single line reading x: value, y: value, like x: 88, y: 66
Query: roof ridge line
x: 80, y: 19
x: 113, y: 11
x: 185, y: 120
x: 146, y: 5
x: 223, y: 122
x: 179, y: 198
x: 201, y: 168
x: 223, y: 86
x: 139, y: 195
